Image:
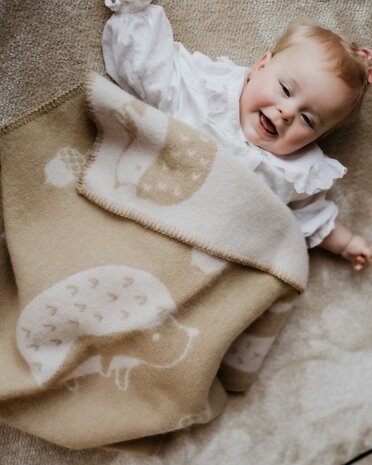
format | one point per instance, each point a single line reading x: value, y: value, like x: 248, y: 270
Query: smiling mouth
x: 267, y: 125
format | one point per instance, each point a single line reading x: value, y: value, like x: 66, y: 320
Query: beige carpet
x: 312, y: 404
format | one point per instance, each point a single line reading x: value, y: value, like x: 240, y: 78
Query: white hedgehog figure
x: 100, y: 301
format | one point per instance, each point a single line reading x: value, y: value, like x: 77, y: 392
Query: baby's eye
x: 307, y: 120
x: 285, y: 90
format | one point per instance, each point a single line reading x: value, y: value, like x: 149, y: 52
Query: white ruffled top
x: 142, y: 57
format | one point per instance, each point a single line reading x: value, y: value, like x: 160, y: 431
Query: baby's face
x: 290, y: 99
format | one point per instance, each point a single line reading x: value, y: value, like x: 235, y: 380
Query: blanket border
x: 41, y: 110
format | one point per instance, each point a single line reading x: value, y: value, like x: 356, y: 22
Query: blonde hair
x: 345, y: 59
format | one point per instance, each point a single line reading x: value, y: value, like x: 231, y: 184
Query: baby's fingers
x: 359, y: 262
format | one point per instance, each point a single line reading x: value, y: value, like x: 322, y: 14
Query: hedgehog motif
x: 182, y: 167
x: 64, y: 168
x: 251, y: 347
x: 155, y: 352
x: 165, y: 163
x: 247, y: 352
x: 96, y: 302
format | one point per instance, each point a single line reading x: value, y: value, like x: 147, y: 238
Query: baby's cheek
x: 266, y: 91
x: 254, y: 96
x: 297, y: 138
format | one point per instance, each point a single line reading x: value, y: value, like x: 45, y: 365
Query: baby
x: 311, y: 83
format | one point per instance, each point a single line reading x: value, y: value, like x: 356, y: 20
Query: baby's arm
x: 317, y: 216
x: 139, y: 52
x: 351, y: 246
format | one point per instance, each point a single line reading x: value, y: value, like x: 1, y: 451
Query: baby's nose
x: 287, y: 112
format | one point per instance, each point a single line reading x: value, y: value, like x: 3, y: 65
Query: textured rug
x: 312, y: 403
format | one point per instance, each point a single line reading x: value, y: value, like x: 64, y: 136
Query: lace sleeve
x: 316, y: 216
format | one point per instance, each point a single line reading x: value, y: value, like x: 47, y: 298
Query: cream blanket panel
x: 151, y: 168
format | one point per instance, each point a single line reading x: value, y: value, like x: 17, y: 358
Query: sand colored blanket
x: 132, y: 259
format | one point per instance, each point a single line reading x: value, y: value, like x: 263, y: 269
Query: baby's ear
x: 262, y: 62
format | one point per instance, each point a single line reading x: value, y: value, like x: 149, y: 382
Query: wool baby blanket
x: 135, y: 250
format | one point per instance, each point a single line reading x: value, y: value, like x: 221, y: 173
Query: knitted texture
x: 314, y: 390
x: 116, y: 297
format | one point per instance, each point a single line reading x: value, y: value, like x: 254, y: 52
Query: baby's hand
x: 358, y: 251
x: 133, y: 5
x: 114, y: 5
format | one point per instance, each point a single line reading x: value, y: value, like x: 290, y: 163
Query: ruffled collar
x: 308, y: 169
